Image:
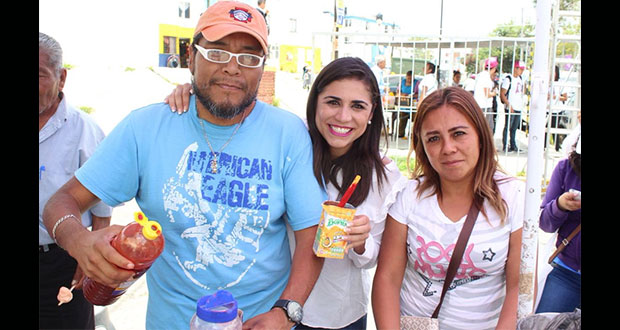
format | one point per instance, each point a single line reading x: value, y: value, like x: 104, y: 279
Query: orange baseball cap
x: 227, y: 17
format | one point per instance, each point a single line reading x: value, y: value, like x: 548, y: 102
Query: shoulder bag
x: 564, y: 243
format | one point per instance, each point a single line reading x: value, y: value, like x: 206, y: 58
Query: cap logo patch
x: 241, y: 15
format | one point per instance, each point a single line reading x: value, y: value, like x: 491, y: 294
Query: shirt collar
x: 56, y: 120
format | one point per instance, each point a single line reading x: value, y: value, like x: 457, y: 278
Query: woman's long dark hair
x: 364, y: 156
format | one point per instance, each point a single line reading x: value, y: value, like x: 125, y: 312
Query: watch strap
x: 283, y: 303
x: 280, y: 303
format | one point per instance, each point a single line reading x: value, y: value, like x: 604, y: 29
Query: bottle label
x: 125, y: 285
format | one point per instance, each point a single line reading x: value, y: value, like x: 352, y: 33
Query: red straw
x: 349, y: 191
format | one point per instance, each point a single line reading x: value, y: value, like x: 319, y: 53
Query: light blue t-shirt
x: 224, y: 230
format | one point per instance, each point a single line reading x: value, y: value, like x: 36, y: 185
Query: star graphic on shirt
x: 488, y: 255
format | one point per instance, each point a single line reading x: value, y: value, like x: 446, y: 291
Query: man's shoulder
x: 279, y: 117
x: 149, y: 114
x: 79, y: 118
x: 152, y: 109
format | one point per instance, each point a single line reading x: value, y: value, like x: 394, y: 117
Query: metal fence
x: 404, y: 52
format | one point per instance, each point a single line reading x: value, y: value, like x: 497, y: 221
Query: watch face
x: 295, y: 311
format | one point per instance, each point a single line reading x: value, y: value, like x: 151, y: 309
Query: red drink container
x: 142, y: 242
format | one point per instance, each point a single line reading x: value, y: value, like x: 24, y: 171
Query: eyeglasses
x: 222, y: 56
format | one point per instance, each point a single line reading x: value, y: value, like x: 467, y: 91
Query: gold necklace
x: 204, y: 132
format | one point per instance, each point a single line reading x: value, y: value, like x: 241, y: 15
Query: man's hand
x: 97, y: 259
x: 78, y: 277
x: 92, y: 250
x: 275, y: 319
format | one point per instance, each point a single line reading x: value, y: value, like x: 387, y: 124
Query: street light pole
x: 335, y: 41
x: 438, y: 67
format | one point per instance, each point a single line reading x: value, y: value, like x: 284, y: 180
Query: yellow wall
x: 289, y: 58
x: 169, y: 30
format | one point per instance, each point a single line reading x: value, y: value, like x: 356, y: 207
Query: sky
x: 87, y: 39
x: 460, y: 17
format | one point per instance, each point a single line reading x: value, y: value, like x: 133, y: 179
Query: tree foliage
x: 566, y: 25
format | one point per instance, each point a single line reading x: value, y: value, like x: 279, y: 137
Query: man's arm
x: 422, y: 93
x: 98, y: 223
x: 305, y: 270
x: 92, y: 250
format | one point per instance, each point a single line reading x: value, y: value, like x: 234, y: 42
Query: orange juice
x: 329, y: 242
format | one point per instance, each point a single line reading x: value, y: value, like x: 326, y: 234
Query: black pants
x: 56, y: 269
x: 402, y: 122
x: 556, y: 122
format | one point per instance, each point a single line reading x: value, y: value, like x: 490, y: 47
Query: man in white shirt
x: 377, y: 69
x: 512, y: 96
x: 428, y: 83
x: 261, y: 9
x: 67, y: 138
x: 483, y: 90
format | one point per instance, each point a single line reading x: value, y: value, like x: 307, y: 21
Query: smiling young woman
x: 344, y: 108
x: 345, y: 120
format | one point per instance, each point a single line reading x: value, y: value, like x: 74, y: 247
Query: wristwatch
x: 293, y: 309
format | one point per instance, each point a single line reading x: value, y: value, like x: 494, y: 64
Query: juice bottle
x: 142, y: 242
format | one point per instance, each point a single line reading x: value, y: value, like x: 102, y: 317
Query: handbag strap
x: 457, y: 253
x: 564, y: 243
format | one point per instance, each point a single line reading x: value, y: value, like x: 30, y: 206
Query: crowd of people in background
x: 490, y: 89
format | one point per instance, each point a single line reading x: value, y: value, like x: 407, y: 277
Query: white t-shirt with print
x: 483, y: 80
x: 476, y: 296
x: 430, y: 82
x: 515, y: 94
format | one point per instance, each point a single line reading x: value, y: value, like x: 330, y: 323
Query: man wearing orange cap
x: 219, y: 180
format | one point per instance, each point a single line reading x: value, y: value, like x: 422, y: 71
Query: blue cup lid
x: 219, y: 307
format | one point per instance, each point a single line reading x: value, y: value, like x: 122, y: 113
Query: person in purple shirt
x: 561, y: 212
